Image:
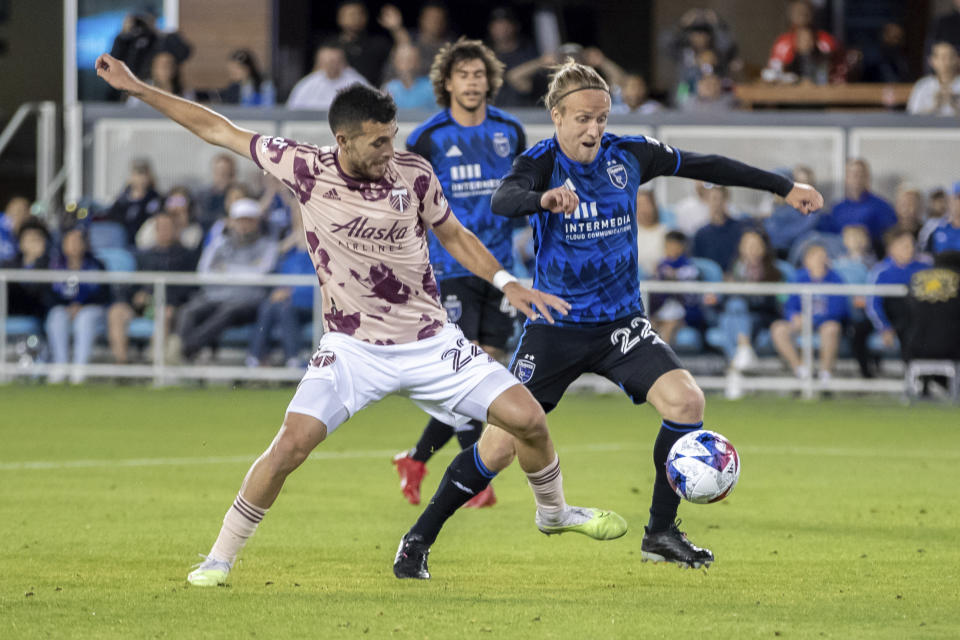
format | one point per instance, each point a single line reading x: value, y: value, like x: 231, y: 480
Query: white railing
x: 163, y: 373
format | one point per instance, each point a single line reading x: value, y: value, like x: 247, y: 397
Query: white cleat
x: 209, y: 573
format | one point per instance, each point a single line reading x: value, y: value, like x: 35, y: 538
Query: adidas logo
x: 332, y: 194
x: 454, y: 152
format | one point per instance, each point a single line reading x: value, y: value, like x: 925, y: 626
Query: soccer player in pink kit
x: 366, y: 210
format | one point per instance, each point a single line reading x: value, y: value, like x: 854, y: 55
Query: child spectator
x: 16, y: 212
x: 632, y: 97
x: 889, y: 315
x: 669, y: 312
x: 33, y: 252
x: 651, y: 233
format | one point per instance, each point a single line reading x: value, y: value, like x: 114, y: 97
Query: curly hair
x: 454, y: 53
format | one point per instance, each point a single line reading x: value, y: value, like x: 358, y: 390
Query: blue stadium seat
x: 140, y: 329
x: 832, y: 242
x: 116, y: 259
x: 710, y: 271
x: 687, y: 340
x: 18, y: 326
x: 787, y: 270
x: 851, y: 271
x: 107, y: 235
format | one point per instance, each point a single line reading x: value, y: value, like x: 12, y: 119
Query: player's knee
x: 294, y: 443
x: 530, y: 423
x: 685, y: 403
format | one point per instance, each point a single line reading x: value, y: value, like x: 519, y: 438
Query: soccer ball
x: 703, y: 467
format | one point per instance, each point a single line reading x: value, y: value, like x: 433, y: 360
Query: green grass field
x: 844, y: 525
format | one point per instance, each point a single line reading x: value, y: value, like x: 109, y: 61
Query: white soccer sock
x: 239, y: 524
x: 547, y: 485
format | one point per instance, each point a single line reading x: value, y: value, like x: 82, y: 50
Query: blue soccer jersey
x: 589, y: 257
x: 469, y: 162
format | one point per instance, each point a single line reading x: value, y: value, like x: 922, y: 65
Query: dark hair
x: 176, y: 81
x: 357, y: 104
x: 33, y: 223
x: 771, y: 272
x: 245, y: 57
x: 895, y: 234
x: 676, y: 236
x: 453, y: 53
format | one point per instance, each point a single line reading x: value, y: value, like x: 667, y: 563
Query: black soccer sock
x: 663, y: 509
x: 435, y: 435
x: 465, y: 477
x: 469, y: 433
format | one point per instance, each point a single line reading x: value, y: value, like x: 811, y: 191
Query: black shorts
x: 627, y: 352
x: 480, y: 309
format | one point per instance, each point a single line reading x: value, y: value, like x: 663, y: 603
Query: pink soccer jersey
x: 367, y: 240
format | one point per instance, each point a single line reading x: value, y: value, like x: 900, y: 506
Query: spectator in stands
x: 241, y: 250
x: 860, y: 206
x: 365, y: 52
x: 718, y: 239
x: 77, y: 307
x: 692, y: 212
x: 710, y: 96
x: 409, y: 90
x: 946, y: 236
x: 857, y: 249
x: 247, y: 86
x: 784, y: 50
x: 632, y: 97
x: 938, y: 94
x: 946, y: 28
x: 786, y: 224
x: 829, y: 314
x: 235, y: 191
x: 889, y: 315
x: 32, y: 252
x: 165, y: 74
x: 702, y: 45
x: 138, y: 201
x: 651, y: 233
x: 938, y: 206
x: 15, y: 214
x: 531, y: 78
x: 330, y: 73
x: 908, y: 205
x: 139, y: 41
x: 888, y: 61
x: 431, y: 34
x: 287, y: 308
x: 669, y: 312
x: 179, y: 206
x: 166, y: 254
x: 223, y: 173
x: 503, y: 31
x: 279, y: 206
x: 810, y: 64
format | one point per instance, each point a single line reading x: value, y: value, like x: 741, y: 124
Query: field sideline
x: 844, y: 525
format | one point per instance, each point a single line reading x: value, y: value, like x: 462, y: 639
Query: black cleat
x: 411, y: 559
x: 672, y: 545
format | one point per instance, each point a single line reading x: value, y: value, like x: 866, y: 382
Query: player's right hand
x: 115, y: 72
x: 559, y: 200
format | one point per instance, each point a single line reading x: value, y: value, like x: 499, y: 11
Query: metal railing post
x: 46, y: 147
x: 806, y: 342
x: 159, y: 331
x: 18, y: 117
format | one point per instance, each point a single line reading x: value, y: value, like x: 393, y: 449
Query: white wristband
x: 502, y: 278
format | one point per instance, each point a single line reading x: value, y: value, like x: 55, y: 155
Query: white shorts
x: 446, y: 376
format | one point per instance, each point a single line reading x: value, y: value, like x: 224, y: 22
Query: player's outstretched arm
x: 804, y: 198
x: 205, y: 123
x: 467, y: 249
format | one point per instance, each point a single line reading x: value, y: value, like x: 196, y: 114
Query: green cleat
x: 593, y: 523
x: 209, y: 573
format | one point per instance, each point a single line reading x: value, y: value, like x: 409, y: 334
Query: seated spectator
x: 857, y: 249
x: 744, y: 315
x: 718, y: 239
x: 860, y: 206
x: 166, y: 254
x: 908, y: 205
x: 33, y: 252
x: 669, y: 312
x: 241, y: 250
x: 503, y: 31
x: 937, y: 206
x: 432, y: 33
x: 330, y: 73
x: 532, y: 78
x: 703, y: 45
x: 946, y: 235
x: 632, y: 97
x: 934, y: 311
x: 692, y: 212
x: 223, y: 173
x: 179, y: 206
x: 165, y: 74
x: 938, y: 94
x: 888, y: 61
x: 247, y: 86
x: 889, y: 315
x: 651, y: 233
x: 810, y: 63
x: 784, y: 49
x: 77, y: 308
x: 139, y: 41
x: 366, y: 52
x: 278, y: 205
x: 138, y: 201
x: 829, y: 314
x: 235, y: 191
x: 785, y: 225
x: 946, y: 28
x: 287, y: 308
x: 15, y: 214
x: 710, y: 96
x: 409, y: 90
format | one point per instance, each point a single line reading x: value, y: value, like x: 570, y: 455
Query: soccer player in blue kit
x: 471, y: 146
x: 579, y: 188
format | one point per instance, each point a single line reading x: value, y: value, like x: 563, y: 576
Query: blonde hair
x: 569, y: 77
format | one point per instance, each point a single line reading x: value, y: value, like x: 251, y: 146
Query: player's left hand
x: 533, y: 303
x: 804, y: 198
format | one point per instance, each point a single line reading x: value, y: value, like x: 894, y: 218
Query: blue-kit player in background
x: 579, y: 188
x: 471, y: 146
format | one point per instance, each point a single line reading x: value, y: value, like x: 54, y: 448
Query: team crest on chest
x: 501, y: 144
x: 617, y: 174
x: 399, y: 199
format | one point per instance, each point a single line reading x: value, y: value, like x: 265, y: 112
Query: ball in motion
x: 703, y: 467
